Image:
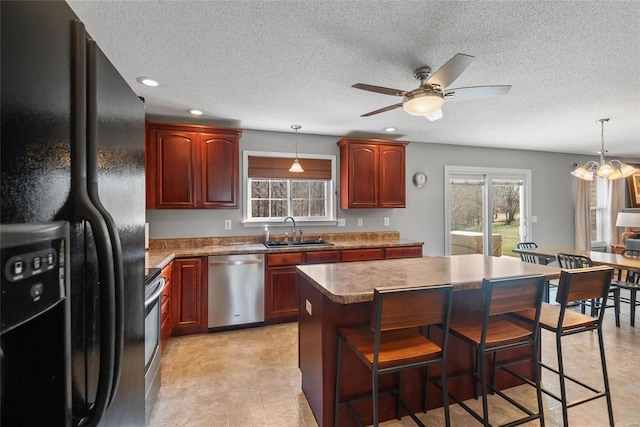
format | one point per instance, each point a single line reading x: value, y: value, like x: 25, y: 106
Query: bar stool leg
x: 563, y: 390
x: 483, y: 379
x: 605, y: 376
x: 445, y: 393
x: 633, y: 308
x: 536, y: 376
x: 374, y: 385
x: 426, y: 391
x: 616, y: 306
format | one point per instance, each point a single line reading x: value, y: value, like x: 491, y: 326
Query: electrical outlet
x: 386, y: 220
x: 341, y: 222
x: 227, y: 224
x: 359, y: 222
x: 534, y: 218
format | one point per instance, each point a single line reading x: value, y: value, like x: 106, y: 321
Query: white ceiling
x: 269, y: 64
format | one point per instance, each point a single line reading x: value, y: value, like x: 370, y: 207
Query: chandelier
x: 613, y: 169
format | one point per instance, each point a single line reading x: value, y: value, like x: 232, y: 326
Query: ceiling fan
x: 427, y: 99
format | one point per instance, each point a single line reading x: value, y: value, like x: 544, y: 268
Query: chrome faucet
x: 293, y: 230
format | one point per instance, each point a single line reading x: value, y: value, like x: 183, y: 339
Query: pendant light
x: 296, y: 167
x: 613, y: 169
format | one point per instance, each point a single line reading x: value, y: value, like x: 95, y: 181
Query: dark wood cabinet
x: 191, y: 167
x: 190, y: 295
x: 372, y: 173
x: 281, y: 286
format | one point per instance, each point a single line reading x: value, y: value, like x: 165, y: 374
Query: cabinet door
x: 219, y: 172
x: 176, y: 169
x: 363, y: 176
x: 282, y: 293
x: 191, y: 296
x: 392, y: 176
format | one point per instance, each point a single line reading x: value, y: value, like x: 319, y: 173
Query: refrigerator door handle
x: 92, y: 187
x: 86, y: 210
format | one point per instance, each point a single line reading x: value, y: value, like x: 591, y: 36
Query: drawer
x: 362, y: 254
x: 166, y: 292
x: 320, y: 257
x: 165, y: 310
x: 403, y: 252
x: 290, y: 258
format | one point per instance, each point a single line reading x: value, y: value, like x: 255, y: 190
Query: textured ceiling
x: 269, y: 64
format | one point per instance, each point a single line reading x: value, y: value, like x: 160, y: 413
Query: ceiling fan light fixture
x: 422, y: 101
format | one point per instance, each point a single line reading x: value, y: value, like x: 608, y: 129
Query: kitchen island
x: 332, y: 296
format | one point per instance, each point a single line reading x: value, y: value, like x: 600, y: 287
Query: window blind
x: 278, y: 167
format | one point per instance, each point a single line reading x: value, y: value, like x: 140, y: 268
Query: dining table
x: 548, y: 254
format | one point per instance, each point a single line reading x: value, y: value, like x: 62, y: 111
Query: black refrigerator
x: 72, y: 150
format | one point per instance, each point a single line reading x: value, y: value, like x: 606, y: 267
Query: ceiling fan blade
x: 451, y: 70
x: 435, y: 115
x: 380, y: 89
x: 475, y: 92
x: 382, y: 110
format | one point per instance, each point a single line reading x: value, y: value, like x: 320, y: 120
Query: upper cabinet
x: 372, y: 173
x: 191, y: 167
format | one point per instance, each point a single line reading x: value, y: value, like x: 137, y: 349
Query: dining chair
x: 575, y: 285
x: 633, y: 244
x: 550, y: 284
x: 393, y: 342
x: 629, y: 283
x: 571, y: 261
x: 488, y: 332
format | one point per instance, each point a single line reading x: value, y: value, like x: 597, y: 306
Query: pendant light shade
x: 612, y: 170
x: 296, y: 167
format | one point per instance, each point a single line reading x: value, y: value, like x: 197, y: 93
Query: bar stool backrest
x: 512, y: 294
x: 573, y: 261
x: 410, y: 307
x: 632, y: 276
x: 584, y: 284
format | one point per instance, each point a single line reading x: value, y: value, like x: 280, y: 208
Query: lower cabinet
x: 190, y: 296
x: 281, y: 287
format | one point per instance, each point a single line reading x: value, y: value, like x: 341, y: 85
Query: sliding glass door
x: 487, y: 210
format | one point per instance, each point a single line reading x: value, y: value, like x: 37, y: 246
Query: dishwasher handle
x: 237, y: 262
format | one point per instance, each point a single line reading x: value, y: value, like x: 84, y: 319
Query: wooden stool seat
x: 550, y: 315
x: 400, y: 347
x: 499, y: 332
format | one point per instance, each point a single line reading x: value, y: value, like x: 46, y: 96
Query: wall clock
x: 419, y: 179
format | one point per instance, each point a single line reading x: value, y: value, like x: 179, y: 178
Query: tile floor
x: 250, y: 378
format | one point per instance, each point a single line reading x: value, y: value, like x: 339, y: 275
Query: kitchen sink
x: 282, y: 244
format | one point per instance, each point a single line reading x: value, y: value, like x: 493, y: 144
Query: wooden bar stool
x: 490, y: 332
x: 570, y: 261
x: 393, y: 342
x: 575, y: 285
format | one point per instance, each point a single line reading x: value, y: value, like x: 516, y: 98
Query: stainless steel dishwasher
x: 236, y: 290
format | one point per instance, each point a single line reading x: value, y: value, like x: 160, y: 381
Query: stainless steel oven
x: 153, y: 285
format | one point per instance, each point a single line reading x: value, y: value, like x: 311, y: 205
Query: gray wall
x: 423, y: 218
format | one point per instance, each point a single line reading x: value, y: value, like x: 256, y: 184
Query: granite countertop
x: 163, y: 251
x: 347, y: 283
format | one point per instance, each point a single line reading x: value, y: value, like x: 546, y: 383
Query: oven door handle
x: 155, y: 294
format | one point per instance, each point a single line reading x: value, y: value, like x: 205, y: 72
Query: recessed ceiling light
x: 195, y: 112
x: 147, y: 81
x: 389, y: 129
